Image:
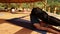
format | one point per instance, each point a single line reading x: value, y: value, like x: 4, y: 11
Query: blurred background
x: 52, y: 6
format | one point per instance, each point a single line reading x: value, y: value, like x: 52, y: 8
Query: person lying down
x: 41, y: 20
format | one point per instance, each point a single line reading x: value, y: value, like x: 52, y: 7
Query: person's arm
x: 35, y: 21
x: 52, y: 27
x: 38, y: 26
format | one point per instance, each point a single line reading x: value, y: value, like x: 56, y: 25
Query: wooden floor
x: 8, y: 28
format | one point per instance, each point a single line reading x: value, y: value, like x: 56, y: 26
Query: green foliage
x: 25, y: 5
x: 38, y: 4
x: 2, y: 6
x: 13, y: 5
x: 53, y: 2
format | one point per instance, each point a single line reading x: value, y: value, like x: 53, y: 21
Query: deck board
x: 8, y: 28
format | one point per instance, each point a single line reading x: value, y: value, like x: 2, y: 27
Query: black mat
x: 24, y: 23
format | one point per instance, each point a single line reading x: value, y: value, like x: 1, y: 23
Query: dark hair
x: 36, y: 11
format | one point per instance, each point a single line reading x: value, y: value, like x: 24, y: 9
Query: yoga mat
x: 25, y: 23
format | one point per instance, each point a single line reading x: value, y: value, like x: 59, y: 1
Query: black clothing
x: 38, y: 13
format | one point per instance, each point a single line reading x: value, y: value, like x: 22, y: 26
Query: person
x: 36, y: 17
x: 13, y: 10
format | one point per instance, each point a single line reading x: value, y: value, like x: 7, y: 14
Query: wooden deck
x: 8, y: 28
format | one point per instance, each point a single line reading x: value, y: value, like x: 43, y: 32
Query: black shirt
x: 34, y: 19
